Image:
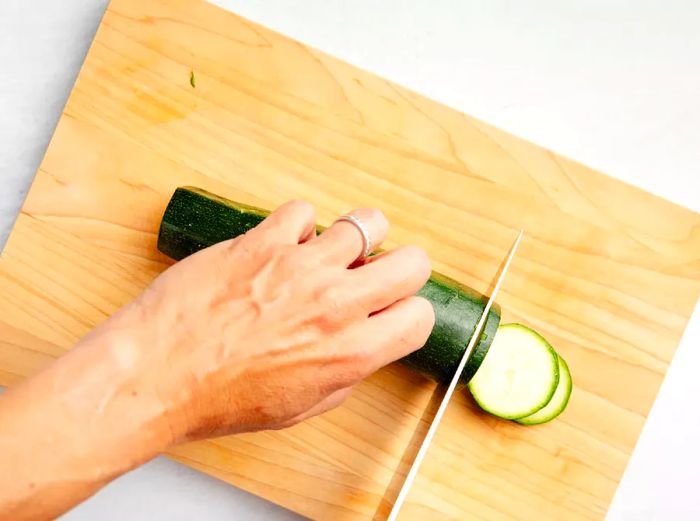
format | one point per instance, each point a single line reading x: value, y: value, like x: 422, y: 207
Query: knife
x: 393, y: 515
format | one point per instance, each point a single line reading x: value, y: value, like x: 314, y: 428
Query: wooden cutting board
x: 608, y: 273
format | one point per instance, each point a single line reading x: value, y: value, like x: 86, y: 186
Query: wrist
x: 97, y: 407
x: 71, y: 429
x: 111, y: 398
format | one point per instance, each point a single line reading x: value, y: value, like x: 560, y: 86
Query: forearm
x: 255, y: 333
x: 74, y: 427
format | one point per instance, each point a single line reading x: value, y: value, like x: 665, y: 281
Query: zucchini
x: 457, y: 309
x: 519, y: 374
x: 195, y: 219
x: 559, y: 400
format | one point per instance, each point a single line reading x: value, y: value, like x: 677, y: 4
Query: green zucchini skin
x: 195, y: 219
x: 458, y: 309
x: 558, y: 402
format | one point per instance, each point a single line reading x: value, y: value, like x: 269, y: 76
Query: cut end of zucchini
x: 519, y: 374
x: 559, y: 400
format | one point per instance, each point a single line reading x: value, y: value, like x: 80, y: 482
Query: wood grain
x: 608, y: 273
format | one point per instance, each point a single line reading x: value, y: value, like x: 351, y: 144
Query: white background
x: 613, y: 84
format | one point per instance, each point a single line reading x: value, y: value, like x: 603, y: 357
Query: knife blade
x: 415, y: 466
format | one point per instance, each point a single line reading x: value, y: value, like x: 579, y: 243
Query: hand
x: 258, y: 332
x: 272, y: 327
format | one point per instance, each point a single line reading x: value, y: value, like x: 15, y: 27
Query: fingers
x: 390, y: 276
x: 392, y: 333
x: 342, y: 243
x: 292, y: 223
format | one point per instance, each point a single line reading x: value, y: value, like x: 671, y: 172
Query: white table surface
x: 614, y: 84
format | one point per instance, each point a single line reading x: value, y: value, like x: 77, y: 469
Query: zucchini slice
x: 559, y: 400
x: 519, y: 374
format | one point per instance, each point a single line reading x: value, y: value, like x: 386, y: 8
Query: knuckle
x: 378, y: 217
x: 417, y: 258
x: 288, y: 260
x: 327, y: 295
x: 374, y: 213
x: 229, y: 246
x: 252, y: 245
x: 332, y: 305
x: 301, y: 207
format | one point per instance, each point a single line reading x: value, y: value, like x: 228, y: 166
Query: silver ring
x: 364, y: 231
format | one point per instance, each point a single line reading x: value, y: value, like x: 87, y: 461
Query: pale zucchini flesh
x: 559, y: 400
x: 519, y: 374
